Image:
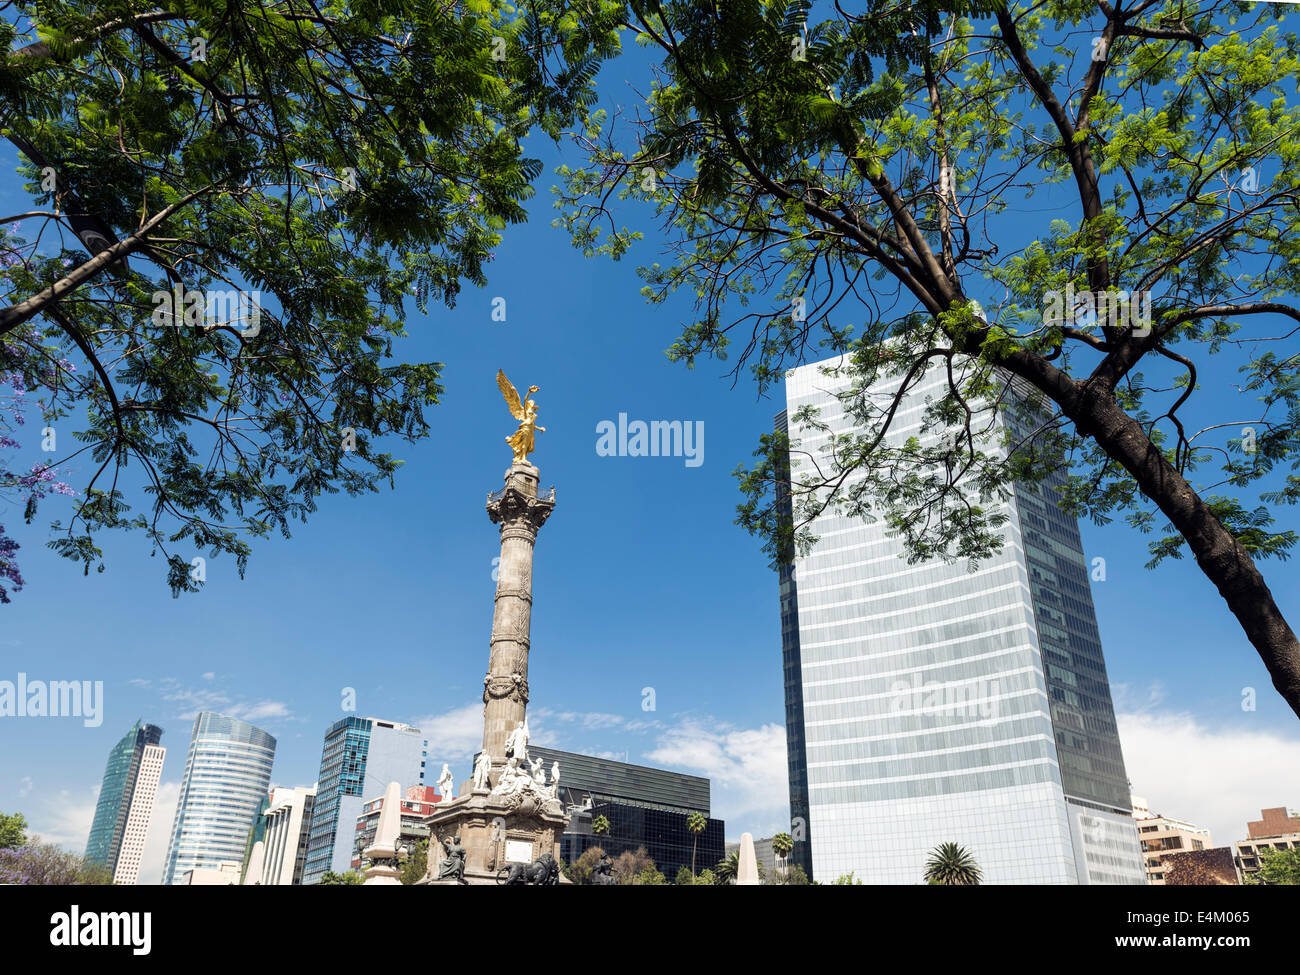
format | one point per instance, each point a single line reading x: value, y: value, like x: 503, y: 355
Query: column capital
x: 511, y: 507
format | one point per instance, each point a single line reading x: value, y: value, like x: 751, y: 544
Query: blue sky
x: 641, y: 580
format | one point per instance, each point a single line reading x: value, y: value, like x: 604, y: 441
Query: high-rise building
x: 125, y: 805
x: 927, y: 703
x: 1162, y: 836
x: 361, y: 756
x: 284, y: 839
x: 1276, y: 829
x: 227, y: 773
x: 645, y: 807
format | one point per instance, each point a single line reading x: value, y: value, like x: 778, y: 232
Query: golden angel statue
x: 521, y: 441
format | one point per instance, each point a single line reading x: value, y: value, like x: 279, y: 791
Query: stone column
x: 521, y: 511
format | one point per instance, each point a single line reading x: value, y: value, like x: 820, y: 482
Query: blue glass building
x: 360, y: 757
x: 227, y: 774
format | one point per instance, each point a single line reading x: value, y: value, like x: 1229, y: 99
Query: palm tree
x: 600, y: 826
x: 728, y: 867
x: 951, y: 865
x: 781, y: 846
x: 695, y: 823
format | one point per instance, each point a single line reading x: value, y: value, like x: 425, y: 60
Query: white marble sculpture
x: 447, y: 784
x: 539, y: 774
x: 483, y: 771
x: 517, y: 742
x: 516, y: 778
x: 555, y: 780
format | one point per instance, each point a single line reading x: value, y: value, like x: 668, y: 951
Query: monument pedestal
x: 497, y: 832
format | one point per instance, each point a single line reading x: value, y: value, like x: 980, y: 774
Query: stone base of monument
x: 497, y: 831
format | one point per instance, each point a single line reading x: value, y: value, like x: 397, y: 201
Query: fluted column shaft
x: 520, y: 512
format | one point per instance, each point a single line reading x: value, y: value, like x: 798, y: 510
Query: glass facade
x: 646, y: 807
x: 927, y: 703
x: 116, y: 793
x: 661, y: 832
x: 227, y: 774
x: 360, y: 757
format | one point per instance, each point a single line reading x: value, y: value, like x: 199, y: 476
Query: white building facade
x: 288, y: 823
x: 927, y: 703
x: 127, y: 871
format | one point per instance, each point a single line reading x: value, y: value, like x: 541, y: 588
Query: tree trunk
x: 1221, y: 557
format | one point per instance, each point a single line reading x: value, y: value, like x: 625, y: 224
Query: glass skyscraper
x: 227, y: 774
x: 646, y: 808
x: 361, y: 756
x: 927, y: 703
x: 125, y: 802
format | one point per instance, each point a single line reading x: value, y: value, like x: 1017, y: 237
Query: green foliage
x: 705, y: 877
x: 952, y: 865
x: 727, y: 868
x: 793, y: 875
x: 782, y: 844
x: 13, y: 830
x: 417, y: 864
x: 600, y: 826
x: 583, y: 870
x: 649, y: 877
x: 349, y: 879
x: 1276, y: 868
x: 870, y: 182
x: 846, y: 880
x: 346, y: 163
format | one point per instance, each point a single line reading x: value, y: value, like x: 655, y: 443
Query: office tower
x: 1276, y: 829
x: 227, y: 773
x: 361, y: 756
x: 287, y: 824
x: 928, y: 703
x: 125, y: 804
x: 1163, y: 835
x: 646, y: 807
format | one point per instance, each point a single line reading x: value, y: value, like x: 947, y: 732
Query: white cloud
x: 746, y: 766
x: 25, y: 785
x: 192, y: 700
x: 66, y: 819
x: 1213, y: 777
x: 454, y: 734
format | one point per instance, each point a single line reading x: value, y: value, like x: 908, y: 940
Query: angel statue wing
x: 511, y: 394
